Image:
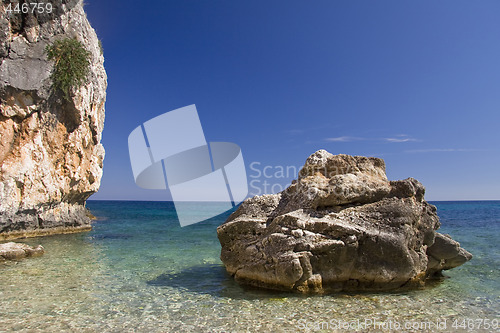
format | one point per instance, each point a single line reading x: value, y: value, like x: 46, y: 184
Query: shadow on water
x: 215, y: 281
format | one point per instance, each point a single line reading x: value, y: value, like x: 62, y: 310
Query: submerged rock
x: 51, y: 157
x: 341, y: 226
x: 13, y: 251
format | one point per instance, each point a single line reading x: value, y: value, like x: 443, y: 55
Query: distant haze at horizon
x: 415, y: 83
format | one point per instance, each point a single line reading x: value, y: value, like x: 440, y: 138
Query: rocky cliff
x: 341, y: 226
x: 50, y: 152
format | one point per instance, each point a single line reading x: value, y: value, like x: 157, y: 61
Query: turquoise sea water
x: 139, y: 271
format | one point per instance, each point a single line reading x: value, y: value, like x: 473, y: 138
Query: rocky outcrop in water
x: 14, y: 251
x: 50, y: 151
x: 342, y: 225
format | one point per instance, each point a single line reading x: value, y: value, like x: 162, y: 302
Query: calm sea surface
x: 139, y: 271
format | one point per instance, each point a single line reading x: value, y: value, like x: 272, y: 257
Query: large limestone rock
x: 50, y: 151
x: 341, y: 226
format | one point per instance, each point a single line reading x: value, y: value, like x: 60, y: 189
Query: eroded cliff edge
x: 51, y: 157
x: 342, y: 225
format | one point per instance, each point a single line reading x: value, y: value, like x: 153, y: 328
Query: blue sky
x: 414, y: 82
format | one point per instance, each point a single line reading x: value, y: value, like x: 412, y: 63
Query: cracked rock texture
x: 340, y: 226
x: 50, y: 151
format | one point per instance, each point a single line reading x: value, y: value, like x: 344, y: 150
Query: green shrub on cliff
x: 72, y: 65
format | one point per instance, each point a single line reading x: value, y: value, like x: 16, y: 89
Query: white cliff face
x: 50, y: 152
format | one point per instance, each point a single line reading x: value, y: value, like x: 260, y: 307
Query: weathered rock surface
x: 14, y: 251
x: 50, y: 151
x: 341, y: 226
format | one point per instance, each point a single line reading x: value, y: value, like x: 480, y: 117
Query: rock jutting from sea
x: 15, y: 251
x: 51, y: 157
x: 341, y: 226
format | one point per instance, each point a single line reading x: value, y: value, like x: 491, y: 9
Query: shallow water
x: 137, y: 270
